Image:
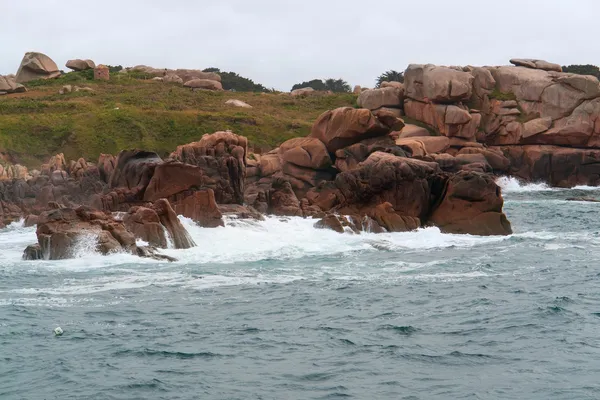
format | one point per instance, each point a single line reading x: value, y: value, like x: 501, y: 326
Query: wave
x: 511, y: 184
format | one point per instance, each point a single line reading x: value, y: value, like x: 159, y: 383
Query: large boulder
x: 303, y: 92
x: 431, y: 83
x: 222, y: 157
x: 134, y: 169
x: 407, y: 184
x: 536, y: 64
x: 201, y: 207
x: 374, y: 99
x: 80, y: 65
x: 36, y: 66
x: 8, y: 84
x: 205, y: 84
x: 471, y: 203
x: 346, y: 126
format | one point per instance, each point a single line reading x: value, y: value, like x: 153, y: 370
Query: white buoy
x: 58, y: 331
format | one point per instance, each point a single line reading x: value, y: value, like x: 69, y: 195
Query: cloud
x: 279, y: 43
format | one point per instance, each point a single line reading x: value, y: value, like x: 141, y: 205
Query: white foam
x: 513, y: 185
x: 510, y: 184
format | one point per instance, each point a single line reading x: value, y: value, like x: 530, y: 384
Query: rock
x: 157, y: 78
x: 536, y: 126
x: 222, y: 157
x: 61, y: 229
x: 33, y: 252
x: 237, y: 103
x: 201, y: 207
x: 472, y: 203
x: 101, y: 73
x: 413, y: 131
x: 66, y: 89
x: 357, y: 89
x: 536, y: 64
x: 425, y: 145
x: 349, y: 157
x: 36, y: 66
x: 302, y: 92
x: 179, y: 236
x: 494, y: 157
x: 133, y: 169
x: 345, y: 126
x: 206, y: 84
x: 10, y: 85
x: 374, y: 99
x: 558, y: 166
x: 80, y: 65
x: 348, y: 224
x: 172, y: 78
x: 407, y: 184
x: 145, y: 224
x: 240, y: 212
x: 395, y: 84
x: 106, y: 165
x: 430, y: 83
x: 305, y: 152
x: 31, y: 220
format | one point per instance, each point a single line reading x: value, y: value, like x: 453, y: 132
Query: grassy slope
x: 128, y: 113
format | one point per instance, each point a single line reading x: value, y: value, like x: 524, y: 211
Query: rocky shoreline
x: 360, y: 169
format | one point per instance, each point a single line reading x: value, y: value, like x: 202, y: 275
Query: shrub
x: 390, y: 76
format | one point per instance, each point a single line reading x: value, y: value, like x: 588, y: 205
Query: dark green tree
x: 335, y: 85
x: 587, y: 69
x: 316, y: 84
x: 390, y: 76
x: 235, y: 82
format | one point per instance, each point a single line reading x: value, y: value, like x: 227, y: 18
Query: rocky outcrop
x: 205, y: 84
x: 530, y: 104
x: 346, y: 126
x: 389, y: 96
x: 8, y: 85
x: 471, y: 203
x: 303, y: 92
x: 184, y: 75
x: 80, y: 65
x: 36, y: 66
x: 222, y: 157
x: 237, y: 103
x: 61, y: 231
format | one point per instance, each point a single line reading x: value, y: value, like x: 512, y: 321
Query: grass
x: 127, y: 112
x: 503, y: 96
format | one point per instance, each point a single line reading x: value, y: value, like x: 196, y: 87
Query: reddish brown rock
x: 472, y: 203
x: 36, y: 66
x: 178, y: 234
x: 222, y: 157
x: 145, y: 224
x: 201, y: 207
x: 346, y: 126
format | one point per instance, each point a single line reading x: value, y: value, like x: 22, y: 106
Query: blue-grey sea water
x: 279, y: 310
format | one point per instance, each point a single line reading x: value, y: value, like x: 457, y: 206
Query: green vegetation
x: 587, y: 69
x: 130, y: 113
x: 503, y: 96
x: 235, y: 82
x: 390, y: 76
x: 334, y: 85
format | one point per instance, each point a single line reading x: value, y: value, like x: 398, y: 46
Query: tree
x: 335, y: 85
x: 390, y: 76
x: 587, y: 69
x: 235, y: 82
x: 316, y: 84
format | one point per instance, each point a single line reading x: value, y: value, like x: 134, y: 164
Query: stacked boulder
x: 80, y: 65
x: 36, y: 66
x: 529, y: 120
x: 8, y: 85
x: 192, y: 78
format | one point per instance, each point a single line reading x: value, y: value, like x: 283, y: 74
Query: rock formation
x: 8, y: 84
x: 36, y: 66
x: 80, y: 65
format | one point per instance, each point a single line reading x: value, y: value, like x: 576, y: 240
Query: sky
x: 279, y: 43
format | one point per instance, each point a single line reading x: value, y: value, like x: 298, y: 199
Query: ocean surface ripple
x: 279, y: 310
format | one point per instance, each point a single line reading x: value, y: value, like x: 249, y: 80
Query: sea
x: 276, y: 309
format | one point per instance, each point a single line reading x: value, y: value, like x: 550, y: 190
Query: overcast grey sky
x: 279, y: 43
